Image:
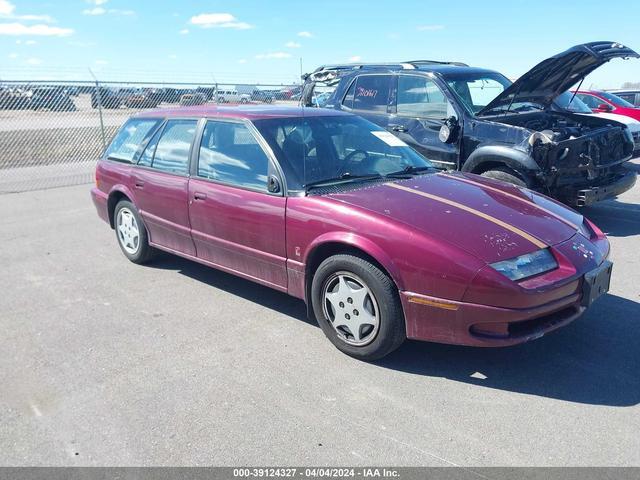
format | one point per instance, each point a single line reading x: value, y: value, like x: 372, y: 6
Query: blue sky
x: 259, y: 40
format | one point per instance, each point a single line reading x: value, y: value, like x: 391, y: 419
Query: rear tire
x: 507, y: 175
x: 350, y: 293
x: 131, y: 233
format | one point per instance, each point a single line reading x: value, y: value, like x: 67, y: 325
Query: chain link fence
x: 52, y: 133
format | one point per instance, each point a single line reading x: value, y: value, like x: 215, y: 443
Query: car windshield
x: 569, y: 101
x: 616, y: 100
x: 335, y: 149
x: 477, y: 89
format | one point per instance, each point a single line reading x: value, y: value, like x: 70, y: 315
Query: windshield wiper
x: 342, y: 179
x: 409, y: 170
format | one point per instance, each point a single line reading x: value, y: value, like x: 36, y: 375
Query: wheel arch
x: 336, y: 244
x: 491, y: 156
x: 116, y: 194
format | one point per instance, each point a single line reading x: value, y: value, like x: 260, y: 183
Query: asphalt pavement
x: 103, y: 362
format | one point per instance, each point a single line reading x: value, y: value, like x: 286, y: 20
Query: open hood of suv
x: 544, y: 82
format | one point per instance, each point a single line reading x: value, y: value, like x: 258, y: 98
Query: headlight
x: 526, y: 265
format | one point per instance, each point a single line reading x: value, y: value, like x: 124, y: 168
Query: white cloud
x: 430, y: 28
x: 39, y: 29
x: 6, y: 7
x: 30, y: 42
x: 97, y: 2
x: 292, y: 45
x: 173, y: 56
x: 13, y: 55
x: 242, y: 60
x: 94, y: 11
x: 33, y: 61
x: 218, y: 20
x: 264, y: 56
x: 184, y: 31
x: 305, y: 34
x: 101, y: 62
x: 355, y: 58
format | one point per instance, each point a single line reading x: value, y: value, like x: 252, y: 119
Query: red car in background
x: 606, y: 102
x: 332, y: 209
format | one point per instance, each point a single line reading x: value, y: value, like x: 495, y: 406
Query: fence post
x: 99, y: 100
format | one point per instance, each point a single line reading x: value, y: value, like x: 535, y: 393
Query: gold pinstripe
x: 516, y: 197
x: 473, y: 211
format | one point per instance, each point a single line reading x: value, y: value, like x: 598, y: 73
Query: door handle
x: 199, y: 196
x: 399, y: 128
x: 139, y: 184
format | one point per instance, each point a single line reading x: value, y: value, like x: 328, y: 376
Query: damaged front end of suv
x: 531, y: 132
x: 578, y: 156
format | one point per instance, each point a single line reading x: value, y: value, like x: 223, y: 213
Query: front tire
x: 131, y: 233
x: 358, y: 307
x: 507, y: 175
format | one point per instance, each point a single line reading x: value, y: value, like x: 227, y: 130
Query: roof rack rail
x: 435, y: 62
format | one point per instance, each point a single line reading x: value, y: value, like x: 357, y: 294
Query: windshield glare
x: 325, y: 148
x: 477, y: 90
x: 565, y: 102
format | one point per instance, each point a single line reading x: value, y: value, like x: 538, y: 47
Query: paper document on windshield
x: 390, y: 139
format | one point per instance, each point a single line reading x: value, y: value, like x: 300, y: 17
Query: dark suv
x: 476, y: 120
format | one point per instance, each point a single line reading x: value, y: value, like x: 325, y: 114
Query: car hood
x: 544, y: 82
x: 489, y: 219
x: 632, y: 124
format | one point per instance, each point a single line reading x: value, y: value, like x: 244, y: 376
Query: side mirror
x: 449, y: 130
x: 273, y: 184
x: 604, y: 107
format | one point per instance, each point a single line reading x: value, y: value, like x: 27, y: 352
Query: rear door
x: 237, y: 224
x: 369, y: 96
x: 160, y: 182
x: 421, y: 108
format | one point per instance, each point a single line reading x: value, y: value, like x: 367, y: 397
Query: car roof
x: 249, y: 112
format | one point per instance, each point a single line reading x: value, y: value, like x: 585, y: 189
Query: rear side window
x: 172, y: 151
x: 371, y: 93
x: 129, y: 138
x: 230, y: 153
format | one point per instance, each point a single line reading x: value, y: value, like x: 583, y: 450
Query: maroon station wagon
x: 332, y: 209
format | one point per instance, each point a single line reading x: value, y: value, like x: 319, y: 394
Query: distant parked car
x: 14, y: 99
x: 264, y: 96
x: 51, y: 98
x: 631, y: 96
x: 143, y: 99
x: 189, y: 99
x: 330, y: 208
x: 606, y: 102
x: 106, y: 98
x: 232, y: 96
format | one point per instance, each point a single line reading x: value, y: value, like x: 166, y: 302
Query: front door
x: 237, y: 224
x: 421, y: 110
x: 160, y: 183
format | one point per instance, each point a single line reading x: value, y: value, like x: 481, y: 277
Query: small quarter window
x: 129, y: 138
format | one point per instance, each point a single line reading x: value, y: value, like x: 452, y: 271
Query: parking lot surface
x: 104, y: 362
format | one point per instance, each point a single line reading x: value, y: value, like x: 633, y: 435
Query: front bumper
x: 461, y: 323
x: 591, y: 195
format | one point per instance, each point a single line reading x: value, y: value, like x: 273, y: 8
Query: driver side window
x: 421, y: 97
